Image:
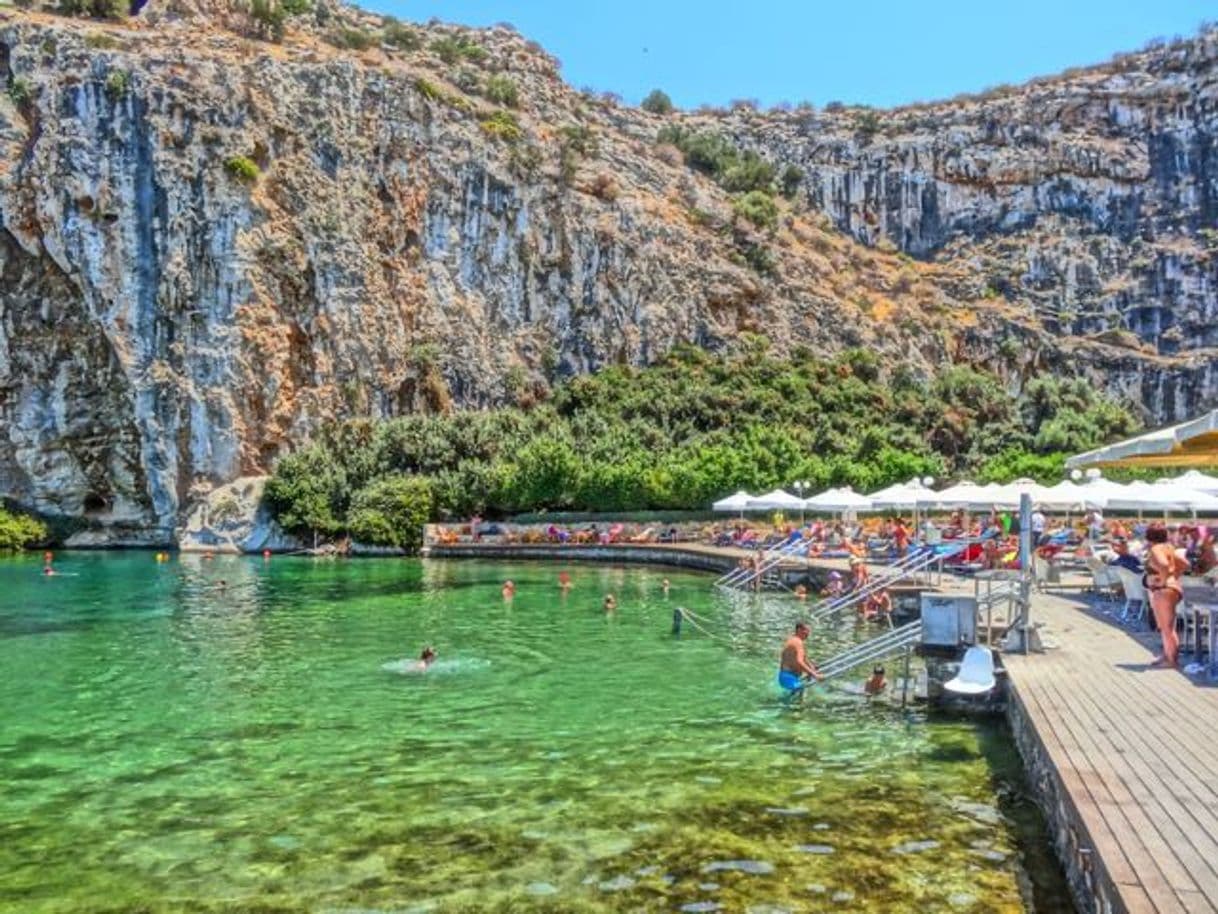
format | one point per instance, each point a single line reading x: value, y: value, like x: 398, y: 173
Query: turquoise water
x: 174, y: 743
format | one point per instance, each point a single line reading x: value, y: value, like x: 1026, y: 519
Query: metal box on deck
x: 948, y: 623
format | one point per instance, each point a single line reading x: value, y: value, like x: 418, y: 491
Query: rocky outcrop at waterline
x: 212, y: 244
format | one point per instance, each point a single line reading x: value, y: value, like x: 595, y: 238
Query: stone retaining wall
x: 1090, y: 884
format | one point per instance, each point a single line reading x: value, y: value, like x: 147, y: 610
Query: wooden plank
x: 1136, y: 751
x: 1095, y: 813
x: 1186, y: 847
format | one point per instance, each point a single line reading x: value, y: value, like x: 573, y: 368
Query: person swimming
x: 509, y: 590
x: 564, y: 581
x: 793, y: 666
x: 610, y: 603
x: 876, y: 683
x: 665, y: 585
x: 427, y: 658
x: 801, y: 592
x: 48, y: 571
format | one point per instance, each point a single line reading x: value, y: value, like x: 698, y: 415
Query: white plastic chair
x: 1135, y: 594
x: 976, y: 674
x: 1104, y: 578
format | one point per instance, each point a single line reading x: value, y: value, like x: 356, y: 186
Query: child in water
x: 877, y: 683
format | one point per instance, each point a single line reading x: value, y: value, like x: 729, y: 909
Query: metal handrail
x: 906, y: 568
x: 741, y: 577
x: 884, y: 645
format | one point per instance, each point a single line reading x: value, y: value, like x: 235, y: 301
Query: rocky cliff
x: 212, y: 242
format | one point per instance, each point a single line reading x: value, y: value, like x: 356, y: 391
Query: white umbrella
x: 778, y: 500
x: 1196, y: 480
x: 1065, y: 496
x: 1172, y: 496
x: 901, y: 495
x: 733, y: 503
x: 970, y: 495
x: 838, y: 500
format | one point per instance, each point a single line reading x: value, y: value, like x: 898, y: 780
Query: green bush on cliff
x: 503, y: 125
x: 758, y: 208
x: 18, y: 531
x: 391, y: 512
x: 97, y: 9
x: 657, y: 102
x: 693, y: 426
x: 117, y: 84
x: 242, y: 168
x: 502, y: 91
x: 456, y: 48
x: 351, y: 39
x: 401, y: 36
x: 20, y: 92
x: 717, y: 156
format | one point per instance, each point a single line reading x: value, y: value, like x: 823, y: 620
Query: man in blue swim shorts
x: 794, y: 665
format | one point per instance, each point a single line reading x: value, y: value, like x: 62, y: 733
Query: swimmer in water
x: 509, y: 590
x: 48, y: 571
x: 877, y: 683
x: 664, y: 584
x: 610, y: 603
x: 427, y: 658
x: 801, y: 592
x: 794, y: 666
x: 564, y: 581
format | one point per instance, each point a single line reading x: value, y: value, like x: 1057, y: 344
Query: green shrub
x: 789, y: 181
x: 270, y: 17
x: 760, y: 259
x: 428, y: 89
x: 351, y: 39
x: 402, y: 37
x: 455, y: 48
x: 101, y: 41
x: 867, y: 123
x: 391, y: 512
x: 18, y: 531
x: 242, y: 168
x: 20, y: 91
x: 296, y: 7
x: 657, y: 102
x: 501, y: 90
x: 96, y: 9
x: 758, y: 208
x: 503, y: 125
x: 580, y: 139
x: 715, y: 155
x: 117, y: 83
x: 309, y: 492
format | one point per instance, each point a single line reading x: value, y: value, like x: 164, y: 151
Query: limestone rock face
x: 211, y: 245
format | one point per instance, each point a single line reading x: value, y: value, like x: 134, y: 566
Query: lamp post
x: 800, y: 487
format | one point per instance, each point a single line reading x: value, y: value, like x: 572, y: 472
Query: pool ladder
x: 889, y: 644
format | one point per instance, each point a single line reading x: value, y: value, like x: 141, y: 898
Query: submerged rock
x: 752, y: 867
x: 617, y: 884
x: 915, y: 847
x: 815, y: 848
x: 541, y: 888
x: 699, y: 907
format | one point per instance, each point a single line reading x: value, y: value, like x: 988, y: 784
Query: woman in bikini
x: 1163, y: 570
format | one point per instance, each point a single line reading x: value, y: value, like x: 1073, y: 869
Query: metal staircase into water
x: 906, y: 568
x: 891, y: 643
x: 744, y: 578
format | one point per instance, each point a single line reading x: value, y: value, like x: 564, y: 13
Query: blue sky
x: 879, y: 53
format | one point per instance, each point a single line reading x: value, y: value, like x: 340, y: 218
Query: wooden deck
x: 1135, y: 752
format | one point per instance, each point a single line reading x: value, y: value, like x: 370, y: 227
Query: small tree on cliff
x: 657, y: 102
x: 18, y: 531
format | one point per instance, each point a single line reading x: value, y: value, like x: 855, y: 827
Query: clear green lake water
x: 171, y: 745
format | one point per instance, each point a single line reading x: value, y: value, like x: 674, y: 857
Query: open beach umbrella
x: 733, y: 503
x: 838, y: 500
x: 1193, y: 443
x: 1065, y: 496
x: 970, y: 495
x: 900, y: 495
x: 778, y: 500
x: 1197, y: 481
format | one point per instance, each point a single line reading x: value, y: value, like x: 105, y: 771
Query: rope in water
x: 692, y: 619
